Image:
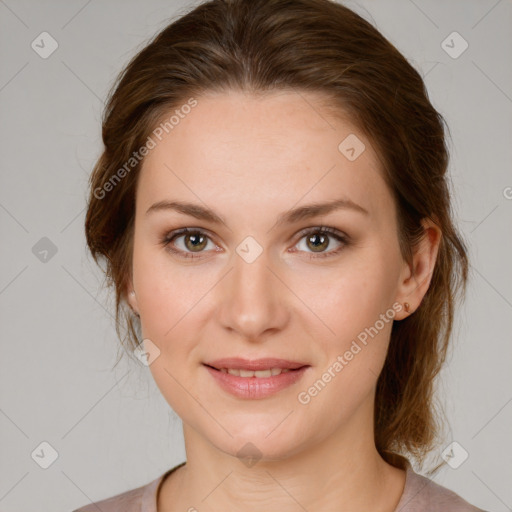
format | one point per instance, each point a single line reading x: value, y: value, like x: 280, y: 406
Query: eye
x: 196, y: 240
x: 318, y: 240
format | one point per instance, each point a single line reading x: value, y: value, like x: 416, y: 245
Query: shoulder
x: 140, y: 499
x: 422, y: 494
x: 134, y: 500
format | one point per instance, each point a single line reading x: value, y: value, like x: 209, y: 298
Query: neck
x: 342, y: 472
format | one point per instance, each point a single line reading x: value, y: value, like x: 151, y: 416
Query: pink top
x: 420, y: 495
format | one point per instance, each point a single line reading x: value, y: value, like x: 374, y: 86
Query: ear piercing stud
x: 406, y: 307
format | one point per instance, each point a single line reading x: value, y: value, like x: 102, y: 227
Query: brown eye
x: 195, y: 241
x: 319, y: 242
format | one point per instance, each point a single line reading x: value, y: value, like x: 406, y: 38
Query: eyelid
x: 175, y: 233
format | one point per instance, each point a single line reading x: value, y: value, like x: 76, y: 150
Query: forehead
x: 265, y: 152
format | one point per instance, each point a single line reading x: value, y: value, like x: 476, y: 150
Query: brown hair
x: 303, y: 45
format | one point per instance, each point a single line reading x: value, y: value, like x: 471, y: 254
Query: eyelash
x: 321, y: 230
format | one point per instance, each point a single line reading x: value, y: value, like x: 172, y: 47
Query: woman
x: 273, y: 208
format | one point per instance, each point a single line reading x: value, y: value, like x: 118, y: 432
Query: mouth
x: 260, y: 374
x: 257, y: 378
x: 250, y: 368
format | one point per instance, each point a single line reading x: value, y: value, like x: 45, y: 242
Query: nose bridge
x: 250, y: 278
x: 251, y: 303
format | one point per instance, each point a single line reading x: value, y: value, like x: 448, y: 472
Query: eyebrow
x: 289, y: 217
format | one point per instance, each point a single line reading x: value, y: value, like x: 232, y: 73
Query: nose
x: 254, y: 302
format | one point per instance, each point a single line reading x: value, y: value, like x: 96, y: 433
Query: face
x: 260, y: 283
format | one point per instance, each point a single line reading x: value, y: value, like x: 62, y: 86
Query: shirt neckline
x: 405, y: 496
x: 150, y: 496
x: 149, y: 500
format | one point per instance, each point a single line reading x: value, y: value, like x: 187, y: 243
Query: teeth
x: 257, y: 373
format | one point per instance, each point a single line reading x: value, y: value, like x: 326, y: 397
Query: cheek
x: 176, y: 388
x: 353, y: 353
x: 171, y: 300
x: 164, y: 291
x: 351, y: 303
x: 346, y: 297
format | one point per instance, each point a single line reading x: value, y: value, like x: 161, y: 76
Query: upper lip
x: 254, y: 364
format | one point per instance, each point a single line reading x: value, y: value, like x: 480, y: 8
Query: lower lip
x: 255, y: 387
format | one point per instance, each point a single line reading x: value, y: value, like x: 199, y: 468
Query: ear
x: 131, y: 298
x: 414, y: 282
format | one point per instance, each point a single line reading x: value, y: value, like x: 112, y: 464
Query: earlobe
x: 132, y: 301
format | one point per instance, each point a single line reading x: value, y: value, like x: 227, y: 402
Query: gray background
x: 111, y: 428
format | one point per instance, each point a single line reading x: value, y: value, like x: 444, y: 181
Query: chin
x: 251, y: 442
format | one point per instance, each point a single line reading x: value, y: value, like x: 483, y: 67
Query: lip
x: 255, y: 364
x: 255, y: 388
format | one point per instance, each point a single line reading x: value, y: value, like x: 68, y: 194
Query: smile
x: 259, y: 379
x: 257, y: 373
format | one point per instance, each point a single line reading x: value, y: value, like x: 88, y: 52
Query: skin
x: 249, y: 159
